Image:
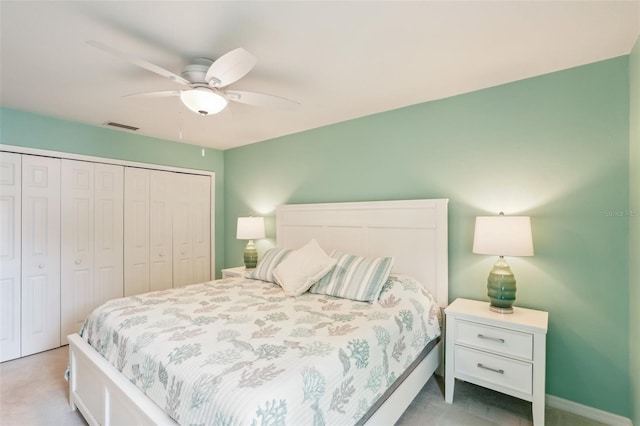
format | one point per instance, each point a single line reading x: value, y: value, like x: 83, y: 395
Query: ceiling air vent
x: 121, y: 126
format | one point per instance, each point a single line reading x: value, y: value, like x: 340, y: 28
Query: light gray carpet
x: 33, y: 392
x: 476, y: 406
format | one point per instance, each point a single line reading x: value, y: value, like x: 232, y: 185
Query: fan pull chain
x: 203, y: 128
x: 179, y: 120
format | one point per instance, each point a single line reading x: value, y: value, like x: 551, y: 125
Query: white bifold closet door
x: 191, y: 230
x: 167, y: 230
x: 10, y: 254
x: 74, y: 234
x: 136, y: 231
x: 40, y: 307
x: 148, y: 234
x: 92, y: 239
x: 161, y: 190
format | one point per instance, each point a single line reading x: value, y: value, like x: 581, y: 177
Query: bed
x: 413, y: 232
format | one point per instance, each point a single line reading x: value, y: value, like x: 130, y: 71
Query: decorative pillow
x: 269, y: 262
x: 302, y: 268
x: 355, y: 277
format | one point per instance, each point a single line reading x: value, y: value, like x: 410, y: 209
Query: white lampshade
x: 203, y: 101
x: 250, y: 228
x: 503, y: 236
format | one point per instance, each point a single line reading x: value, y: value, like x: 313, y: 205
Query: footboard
x: 103, y: 395
x: 398, y: 402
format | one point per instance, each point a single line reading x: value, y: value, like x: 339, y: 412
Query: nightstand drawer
x: 494, y: 339
x: 501, y: 372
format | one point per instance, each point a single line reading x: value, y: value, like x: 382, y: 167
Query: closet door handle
x: 78, y: 261
x: 41, y: 266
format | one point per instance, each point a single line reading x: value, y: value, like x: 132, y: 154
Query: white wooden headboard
x: 413, y: 232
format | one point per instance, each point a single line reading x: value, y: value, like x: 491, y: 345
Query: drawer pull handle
x: 495, y: 370
x: 495, y: 339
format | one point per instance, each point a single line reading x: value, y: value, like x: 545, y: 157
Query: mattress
x: 238, y: 351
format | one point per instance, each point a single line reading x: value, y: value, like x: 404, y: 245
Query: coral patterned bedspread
x: 239, y: 352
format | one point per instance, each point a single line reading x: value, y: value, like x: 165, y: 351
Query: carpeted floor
x: 33, y: 391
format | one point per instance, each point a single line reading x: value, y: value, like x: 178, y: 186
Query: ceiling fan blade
x: 230, y: 67
x: 260, y: 99
x: 160, y: 94
x: 139, y: 62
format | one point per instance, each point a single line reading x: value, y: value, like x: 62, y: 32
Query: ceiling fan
x: 205, y: 81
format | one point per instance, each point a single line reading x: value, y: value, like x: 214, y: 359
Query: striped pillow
x: 355, y: 277
x: 266, y: 265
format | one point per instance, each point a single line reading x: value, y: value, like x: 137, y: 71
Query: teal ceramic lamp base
x: 501, y: 287
x: 250, y: 255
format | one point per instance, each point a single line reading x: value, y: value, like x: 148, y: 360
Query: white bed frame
x: 414, y: 232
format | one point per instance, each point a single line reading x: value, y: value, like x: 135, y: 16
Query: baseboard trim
x: 586, y: 411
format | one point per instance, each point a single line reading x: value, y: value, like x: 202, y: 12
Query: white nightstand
x: 503, y: 352
x: 238, y: 271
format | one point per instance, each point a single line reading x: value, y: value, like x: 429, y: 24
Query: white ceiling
x: 338, y: 59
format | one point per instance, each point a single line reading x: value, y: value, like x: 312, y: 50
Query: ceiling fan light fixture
x: 203, y: 101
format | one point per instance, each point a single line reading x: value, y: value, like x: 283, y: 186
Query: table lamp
x: 250, y: 228
x: 502, y: 236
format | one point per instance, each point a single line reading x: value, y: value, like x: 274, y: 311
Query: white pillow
x: 302, y: 268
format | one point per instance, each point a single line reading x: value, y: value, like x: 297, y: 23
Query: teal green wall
x: 634, y: 228
x: 35, y: 131
x: 554, y: 147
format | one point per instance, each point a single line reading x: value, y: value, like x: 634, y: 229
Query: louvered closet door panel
x: 160, y: 235
x: 10, y: 254
x: 40, y: 254
x: 136, y: 231
x: 77, y: 243
x: 109, y: 232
